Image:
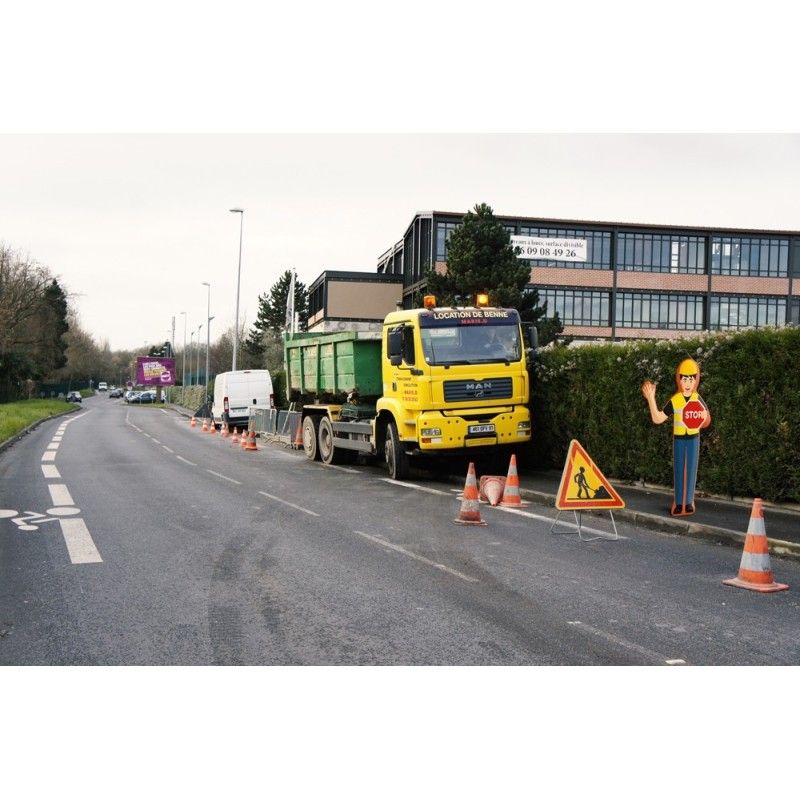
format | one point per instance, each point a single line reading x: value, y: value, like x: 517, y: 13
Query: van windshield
x: 471, y: 344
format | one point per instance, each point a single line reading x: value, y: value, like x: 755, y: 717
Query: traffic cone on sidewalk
x: 470, y: 512
x: 511, y: 495
x: 194, y: 422
x: 754, y: 570
x: 490, y: 489
x: 251, y: 441
x: 204, y: 429
x: 235, y: 437
x: 298, y: 437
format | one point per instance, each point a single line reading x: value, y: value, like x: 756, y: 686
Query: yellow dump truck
x: 434, y: 380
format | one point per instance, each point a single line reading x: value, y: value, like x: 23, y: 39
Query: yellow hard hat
x: 687, y: 367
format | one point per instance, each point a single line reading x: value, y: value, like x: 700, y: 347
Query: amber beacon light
x: 482, y: 300
x: 429, y: 301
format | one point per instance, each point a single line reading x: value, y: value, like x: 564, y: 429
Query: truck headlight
x: 431, y: 432
x: 524, y: 426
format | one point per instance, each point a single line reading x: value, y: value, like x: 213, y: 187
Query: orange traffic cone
x: 754, y: 569
x: 225, y: 432
x: 205, y: 425
x: 194, y: 422
x: 298, y: 437
x: 470, y: 512
x: 511, y: 490
x: 490, y: 489
x: 212, y: 426
x: 251, y: 441
x: 244, y: 439
x: 235, y: 437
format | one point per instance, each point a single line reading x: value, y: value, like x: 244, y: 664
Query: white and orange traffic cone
x: 490, y: 489
x: 754, y: 570
x: 470, y: 512
x: 511, y: 495
x: 225, y: 432
x: 204, y: 429
x: 244, y: 438
x: 193, y: 422
x: 298, y: 437
x: 212, y: 426
x: 251, y: 441
x: 235, y: 437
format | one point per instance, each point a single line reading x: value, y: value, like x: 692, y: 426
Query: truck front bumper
x: 436, y: 431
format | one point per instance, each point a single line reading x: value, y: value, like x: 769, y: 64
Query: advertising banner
x: 532, y: 247
x: 155, y: 371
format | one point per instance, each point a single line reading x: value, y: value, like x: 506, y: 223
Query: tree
x: 271, y: 315
x: 481, y: 258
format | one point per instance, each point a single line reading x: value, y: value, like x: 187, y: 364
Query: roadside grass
x: 15, y: 417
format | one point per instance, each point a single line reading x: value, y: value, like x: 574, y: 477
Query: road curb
x: 17, y: 436
x: 660, y: 524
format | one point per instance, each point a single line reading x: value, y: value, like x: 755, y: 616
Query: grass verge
x: 15, y: 417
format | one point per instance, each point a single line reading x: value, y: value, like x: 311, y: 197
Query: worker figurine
x: 689, y: 415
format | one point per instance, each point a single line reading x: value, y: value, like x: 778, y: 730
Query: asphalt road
x: 158, y: 544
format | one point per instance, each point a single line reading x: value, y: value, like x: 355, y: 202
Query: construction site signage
x: 583, y: 486
x: 155, y: 371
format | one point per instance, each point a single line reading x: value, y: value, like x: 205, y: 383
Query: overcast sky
x: 133, y: 224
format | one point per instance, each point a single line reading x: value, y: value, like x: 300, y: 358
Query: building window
x: 585, y: 307
x: 443, y: 231
x: 738, y: 255
x: 598, y: 247
x: 655, y: 252
x: 734, y: 311
x: 659, y: 310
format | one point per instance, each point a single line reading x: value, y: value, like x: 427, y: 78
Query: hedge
x: 750, y: 381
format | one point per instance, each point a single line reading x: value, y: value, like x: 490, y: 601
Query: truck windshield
x: 471, y: 344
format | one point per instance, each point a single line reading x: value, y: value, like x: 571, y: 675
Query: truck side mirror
x: 395, y: 346
x: 533, y: 337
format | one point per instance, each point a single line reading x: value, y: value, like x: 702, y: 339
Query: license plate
x: 481, y: 429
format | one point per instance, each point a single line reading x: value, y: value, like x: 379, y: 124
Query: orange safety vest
x: 679, y: 402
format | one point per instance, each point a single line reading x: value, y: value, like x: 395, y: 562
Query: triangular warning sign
x: 583, y: 485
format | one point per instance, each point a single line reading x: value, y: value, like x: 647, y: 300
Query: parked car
x: 74, y: 397
x: 116, y: 393
x: 131, y: 396
x: 148, y: 396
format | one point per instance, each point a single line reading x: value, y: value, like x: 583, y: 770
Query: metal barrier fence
x: 269, y: 422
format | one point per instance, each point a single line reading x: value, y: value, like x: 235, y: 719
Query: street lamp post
x: 239, y: 211
x: 208, y: 332
x: 191, y: 346
x: 197, y: 371
x: 183, y: 382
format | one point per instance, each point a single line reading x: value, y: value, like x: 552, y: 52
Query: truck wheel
x: 310, y: 425
x: 327, y: 452
x: 396, y: 456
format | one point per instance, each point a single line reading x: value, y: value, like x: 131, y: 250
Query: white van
x: 102, y: 386
x: 235, y: 393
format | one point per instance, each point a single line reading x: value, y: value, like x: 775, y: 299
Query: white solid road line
x: 624, y: 643
x: 287, y: 503
x: 60, y: 495
x: 416, y: 557
x: 80, y: 544
x: 413, y: 486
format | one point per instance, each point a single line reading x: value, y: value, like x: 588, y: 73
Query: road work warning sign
x: 583, y: 486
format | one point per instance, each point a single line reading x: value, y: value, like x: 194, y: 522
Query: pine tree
x: 481, y: 258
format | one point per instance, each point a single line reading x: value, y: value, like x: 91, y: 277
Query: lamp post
x: 239, y: 211
x: 197, y: 371
x: 183, y: 382
x: 208, y: 332
x: 191, y: 346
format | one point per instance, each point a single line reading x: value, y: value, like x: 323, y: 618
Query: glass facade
x: 660, y: 310
x: 656, y: 252
x: 733, y: 255
x: 577, y: 306
x: 735, y: 311
x: 443, y: 231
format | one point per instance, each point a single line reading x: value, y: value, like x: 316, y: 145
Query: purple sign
x: 155, y: 371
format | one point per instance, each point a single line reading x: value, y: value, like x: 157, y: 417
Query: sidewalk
x: 716, y: 519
